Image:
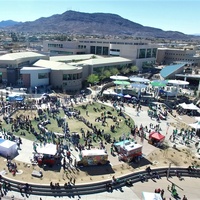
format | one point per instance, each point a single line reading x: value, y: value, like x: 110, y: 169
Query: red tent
x: 156, y: 136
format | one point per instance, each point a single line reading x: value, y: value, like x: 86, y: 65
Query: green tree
x: 125, y: 70
x: 114, y: 71
x: 93, y: 78
x: 107, y: 73
x: 134, y: 68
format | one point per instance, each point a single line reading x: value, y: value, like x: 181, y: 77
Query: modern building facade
x: 30, y: 70
x: 35, y: 76
x: 139, y: 51
x: 63, y: 76
x: 11, y: 63
x: 167, y: 56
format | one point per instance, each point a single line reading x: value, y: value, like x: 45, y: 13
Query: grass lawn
x: 74, y: 124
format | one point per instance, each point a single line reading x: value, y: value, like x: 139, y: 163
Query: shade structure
x: 138, y: 85
x: 121, y: 82
x: 159, y: 83
x: 138, y: 79
x: 127, y: 96
x: 120, y: 78
x: 178, y: 82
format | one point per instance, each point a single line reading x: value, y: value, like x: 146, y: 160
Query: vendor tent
x: 156, y: 136
x: 48, y: 149
x: 8, y: 148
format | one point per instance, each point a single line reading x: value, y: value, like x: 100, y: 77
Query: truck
x: 128, y: 150
x: 93, y: 157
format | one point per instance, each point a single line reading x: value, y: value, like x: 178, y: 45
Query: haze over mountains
x: 72, y: 22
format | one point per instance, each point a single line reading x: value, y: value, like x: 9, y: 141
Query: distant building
x: 167, y: 56
x: 140, y: 52
x: 29, y: 69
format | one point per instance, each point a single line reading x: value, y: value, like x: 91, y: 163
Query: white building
x: 139, y: 51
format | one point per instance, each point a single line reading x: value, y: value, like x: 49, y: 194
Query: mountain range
x: 72, y: 22
x: 8, y: 23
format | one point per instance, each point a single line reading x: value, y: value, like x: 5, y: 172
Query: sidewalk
x: 188, y: 187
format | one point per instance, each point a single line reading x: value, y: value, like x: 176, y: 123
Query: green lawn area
x: 74, y: 124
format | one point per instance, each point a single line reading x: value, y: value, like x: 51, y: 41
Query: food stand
x: 127, y: 150
x: 156, y: 138
x: 46, y: 154
x: 93, y: 157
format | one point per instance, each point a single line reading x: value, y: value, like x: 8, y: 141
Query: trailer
x: 93, y: 157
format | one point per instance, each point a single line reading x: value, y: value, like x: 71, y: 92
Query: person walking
x: 184, y: 197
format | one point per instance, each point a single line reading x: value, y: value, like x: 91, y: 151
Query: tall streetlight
x: 35, y: 91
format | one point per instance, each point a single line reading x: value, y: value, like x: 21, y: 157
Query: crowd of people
x: 23, y: 122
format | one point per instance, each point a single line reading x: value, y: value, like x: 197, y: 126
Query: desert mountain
x: 80, y: 23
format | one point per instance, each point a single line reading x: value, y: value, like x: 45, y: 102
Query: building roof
x: 101, y: 61
x: 19, y: 55
x: 27, y: 70
x: 54, y: 65
x: 168, y: 70
x: 73, y: 57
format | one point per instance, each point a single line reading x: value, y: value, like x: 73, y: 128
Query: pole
x: 168, y: 171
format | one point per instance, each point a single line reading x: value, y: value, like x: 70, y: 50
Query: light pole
x: 35, y: 91
x: 168, y: 171
x: 65, y: 122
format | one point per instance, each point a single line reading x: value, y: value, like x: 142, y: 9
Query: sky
x: 175, y: 15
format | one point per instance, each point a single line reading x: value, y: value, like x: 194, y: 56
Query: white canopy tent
x: 8, y: 148
x: 190, y: 106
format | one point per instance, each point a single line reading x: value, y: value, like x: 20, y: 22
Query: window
x: 148, y: 53
x: 98, y: 50
x: 92, y: 49
x: 74, y: 76
x: 105, y: 50
x: 154, y: 52
x: 42, y: 75
x: 142, y: 53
